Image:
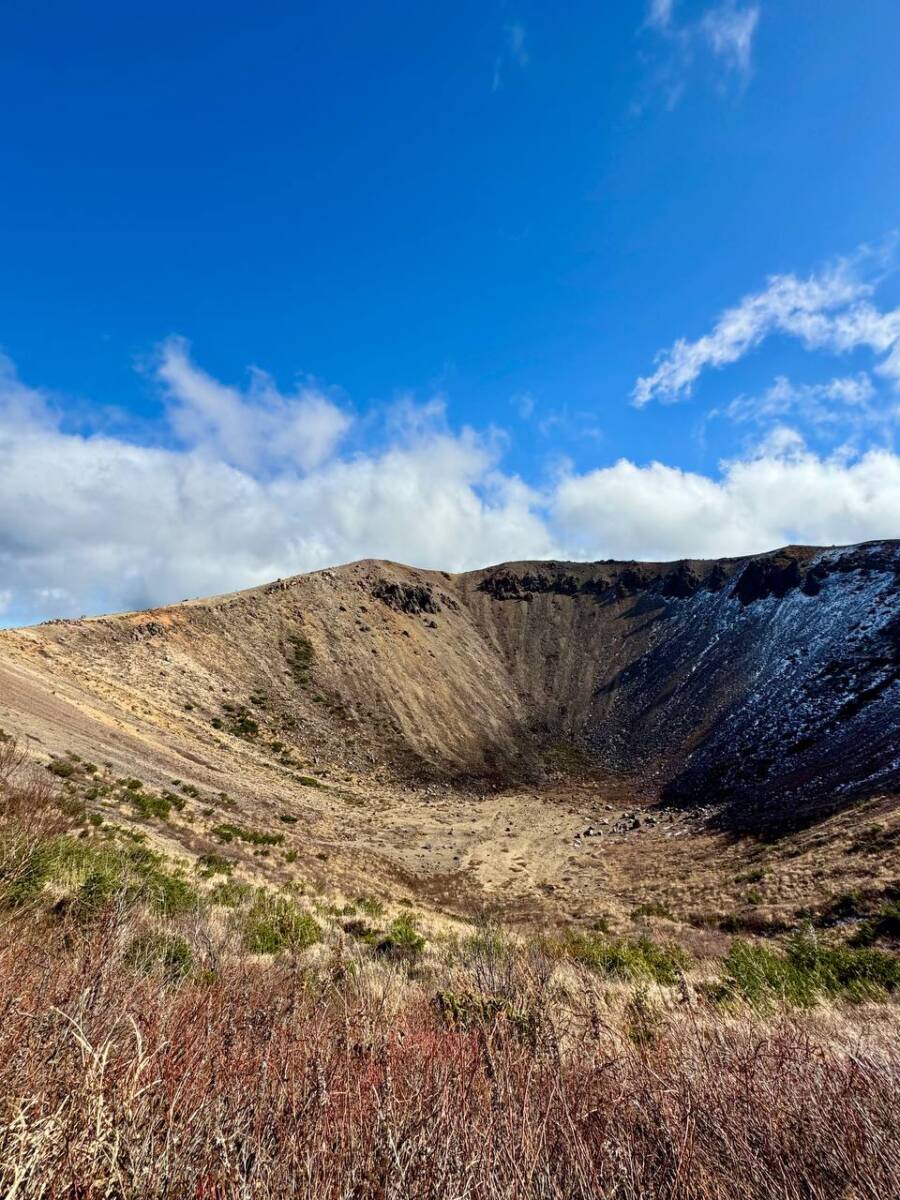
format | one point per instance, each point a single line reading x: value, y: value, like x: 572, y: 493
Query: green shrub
x: 148, y: 805
x: 357, y: 928
x: 644, y: 1020
x: 370, y: 906
x: 170, y: 895
x: 809, y: 971
x: 94, y: 874
x: 97, y: 890
x: 25, y: 867
x: 230, y: 893
x: 756, y: 875
x: 488, y: 943
x: 763, y: 976
x: 161, y: 953
x: 753, y: 923
x: 275, y: 923
x: 61, y: 768
x: 213, y: 864
x: 402, y: 942
x: 640, y: 960
x: 245, y: 726
x: 857, y: 974
x: 883, y: 924
x: 471, y: 1010
x: 300, y: 657
x: 228, y: 832
x: 652, y: 908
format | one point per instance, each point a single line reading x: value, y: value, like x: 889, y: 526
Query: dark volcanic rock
x: 681, y: 583
x: 405, y: 597
x: 764, y: 577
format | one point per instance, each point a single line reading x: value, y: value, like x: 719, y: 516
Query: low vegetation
x: 176, y: 1031
x: 299, y: 654
x: 228, y: 832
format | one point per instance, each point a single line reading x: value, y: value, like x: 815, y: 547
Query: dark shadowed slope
x: 768, y: 685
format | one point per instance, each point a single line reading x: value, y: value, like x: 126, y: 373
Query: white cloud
x: 828, y: 311
x: 515, y: 43
x: 729, y: 32
x: 525, y: 404
x: 844, y: 399
x: 725, y: 31
x: 106, y: 523
x: 94, y: 523
x: 782, y: 494
x: 253, y: 429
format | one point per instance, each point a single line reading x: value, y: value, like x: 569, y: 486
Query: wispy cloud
x: 829, y: 311
x: 725, y: 31
x: 659, y: 14
x: 729, y: 31
x: 820, y: 403
x: 514, y: 52
x: 848, y: 406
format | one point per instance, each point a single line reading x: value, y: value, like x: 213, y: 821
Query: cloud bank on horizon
x: 239, y: 485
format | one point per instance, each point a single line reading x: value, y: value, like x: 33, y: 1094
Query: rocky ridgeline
x: 750, y: 580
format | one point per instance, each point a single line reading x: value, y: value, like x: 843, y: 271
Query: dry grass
x: 256, y: 1082
x: 491, y: 1070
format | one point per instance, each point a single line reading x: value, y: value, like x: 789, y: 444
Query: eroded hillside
x: 458, y: 736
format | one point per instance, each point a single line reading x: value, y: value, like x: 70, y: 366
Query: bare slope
x: 706, y: 680
x: 421, y: 730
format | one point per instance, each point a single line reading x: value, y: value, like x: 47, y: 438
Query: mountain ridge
x: 589, y: 636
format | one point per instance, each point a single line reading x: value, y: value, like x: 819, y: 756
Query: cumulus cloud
x: 96, y: 522
x: 729, y: 32
x: 93, y: 523
x: 783, y: 493
x: 253, y: 429
x: 830, y: 311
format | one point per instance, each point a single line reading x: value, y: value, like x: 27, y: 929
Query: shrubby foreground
x: 165, y: 1036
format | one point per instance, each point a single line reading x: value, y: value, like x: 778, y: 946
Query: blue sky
x: 285, y: 285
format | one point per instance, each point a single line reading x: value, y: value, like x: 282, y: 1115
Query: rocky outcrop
x: 409, y: 598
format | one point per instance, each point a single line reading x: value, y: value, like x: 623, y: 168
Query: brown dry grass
x: 337, y: 1075
x: 255, y: 1083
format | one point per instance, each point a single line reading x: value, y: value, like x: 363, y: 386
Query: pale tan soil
x: 398, y: 715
